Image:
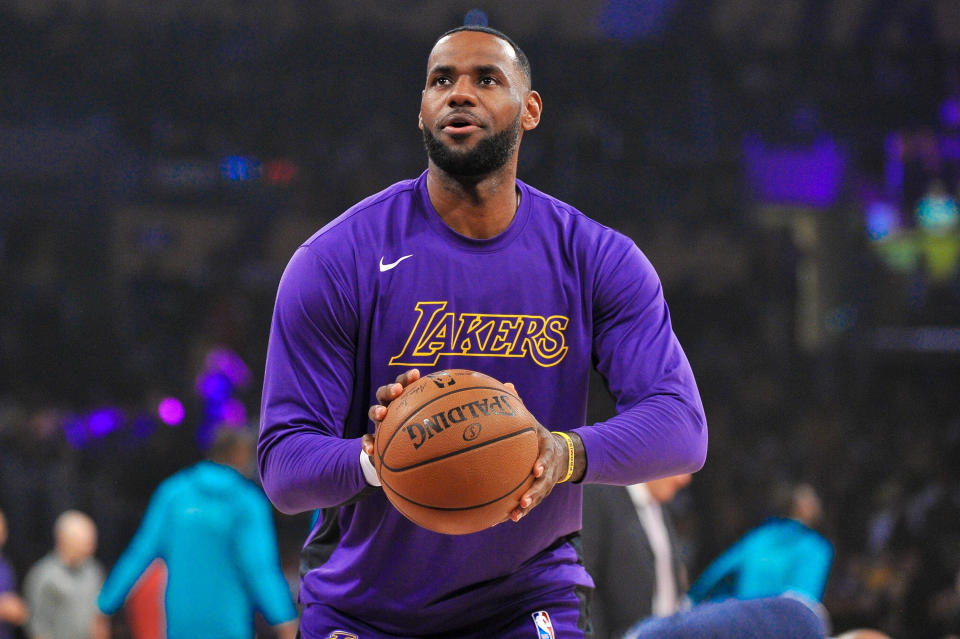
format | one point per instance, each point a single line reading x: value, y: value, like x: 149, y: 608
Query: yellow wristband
x: 570, y: 455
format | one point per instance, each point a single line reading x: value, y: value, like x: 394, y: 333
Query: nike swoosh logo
x: 387, y: 267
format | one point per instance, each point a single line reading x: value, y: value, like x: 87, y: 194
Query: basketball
x: 455, y: 451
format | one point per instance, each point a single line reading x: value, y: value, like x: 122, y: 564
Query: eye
x: 488, y: 80
x: 442, y: 80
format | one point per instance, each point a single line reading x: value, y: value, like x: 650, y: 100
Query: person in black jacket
x: 630, y: 549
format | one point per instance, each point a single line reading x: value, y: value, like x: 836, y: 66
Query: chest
x: 65, y: 588
x: 509, y: 307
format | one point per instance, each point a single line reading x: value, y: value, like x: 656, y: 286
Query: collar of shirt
x: 641, y: 496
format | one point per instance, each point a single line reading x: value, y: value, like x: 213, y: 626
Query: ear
x: 420, y: 121
x: 532, y: 108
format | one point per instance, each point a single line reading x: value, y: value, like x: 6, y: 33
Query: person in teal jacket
x: 213, y: 528
x: 784, y: 555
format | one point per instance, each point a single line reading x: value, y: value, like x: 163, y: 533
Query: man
x: 13, y: 610
x: 784, y: 555
x: 466, y: 267
x: 214, y: 530
x: 630, y: 549
x: 61, y: 589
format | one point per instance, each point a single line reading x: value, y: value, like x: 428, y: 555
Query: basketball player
x: 466, y: 267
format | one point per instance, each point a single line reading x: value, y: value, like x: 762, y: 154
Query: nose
x: 463, y: 92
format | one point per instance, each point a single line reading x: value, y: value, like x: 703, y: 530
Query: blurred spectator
x: 631, y: 549
x: 214, y: 530
x: 937, y: 210
x: 62, y: 587
x: 13, y: 610
x: 938, y: 219
x: 784, y: 555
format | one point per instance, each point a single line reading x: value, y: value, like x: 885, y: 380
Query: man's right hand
x: 385, y: 395
x: 13, y: 609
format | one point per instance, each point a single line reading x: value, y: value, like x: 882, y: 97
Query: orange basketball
x: 456, y: 451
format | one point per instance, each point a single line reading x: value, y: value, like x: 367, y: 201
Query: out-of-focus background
x: 791, y: 168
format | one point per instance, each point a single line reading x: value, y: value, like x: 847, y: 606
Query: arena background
x: 790, y: 167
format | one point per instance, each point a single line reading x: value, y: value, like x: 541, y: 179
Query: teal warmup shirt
x: 214, y: 530
x: 779, y: 556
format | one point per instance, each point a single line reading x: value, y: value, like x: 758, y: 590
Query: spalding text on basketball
x: 435, y: 333
x: 420, y: 432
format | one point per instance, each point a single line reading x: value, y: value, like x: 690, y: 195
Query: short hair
x: 522, y: 58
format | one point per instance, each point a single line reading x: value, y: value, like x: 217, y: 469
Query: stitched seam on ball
x: 459, y: 451
x: 458, y: 508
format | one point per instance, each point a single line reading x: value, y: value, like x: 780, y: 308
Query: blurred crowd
x: 647, y: 140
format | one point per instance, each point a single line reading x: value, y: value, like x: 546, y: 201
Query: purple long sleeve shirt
x: 389, y: 286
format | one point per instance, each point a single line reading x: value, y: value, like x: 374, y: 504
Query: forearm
x: 286, y: 630
x: 658, y: 437
x: 301, y: 471
x: 100, y: 627
x: 13, y: 609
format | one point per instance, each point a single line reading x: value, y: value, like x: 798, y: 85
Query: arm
x: 660, y: 428
x: 286, y: 630
x: 100, y: 627
x: 726, y: 564
x: 13, y: 609
x: 142, y: 550
x: 304, y: 460
x: 256, y: 552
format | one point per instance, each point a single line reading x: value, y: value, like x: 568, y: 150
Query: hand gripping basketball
x: 455, y: 450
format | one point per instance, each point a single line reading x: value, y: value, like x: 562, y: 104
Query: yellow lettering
x: 543, y: 339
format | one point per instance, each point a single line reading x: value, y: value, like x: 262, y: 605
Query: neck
x: 480, y: 208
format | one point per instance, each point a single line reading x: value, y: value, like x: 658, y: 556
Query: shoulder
x: 364, y: 216
x: 174, y: 484
x: 594, y: 241
x: 331, y: 254
x: 94, y: 568
x: 43, y: 568
x: 249, y: 491
x: 546, y: 207
x: 818, y: 542
x: 230, y: 481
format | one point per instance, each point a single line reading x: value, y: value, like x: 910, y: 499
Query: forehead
x: 473, y: 48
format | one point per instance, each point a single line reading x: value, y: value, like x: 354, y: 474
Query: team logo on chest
x: 435, y: 333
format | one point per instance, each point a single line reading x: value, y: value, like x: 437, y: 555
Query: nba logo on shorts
x: 544, y: 627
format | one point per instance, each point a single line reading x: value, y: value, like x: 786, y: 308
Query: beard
x: 488, y: 155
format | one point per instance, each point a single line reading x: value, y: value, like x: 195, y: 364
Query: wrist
x: 369, y: 472
x: 576, y: 457
x: 571, y: 455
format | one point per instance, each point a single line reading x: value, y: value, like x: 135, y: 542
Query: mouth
x: 460, y: 124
